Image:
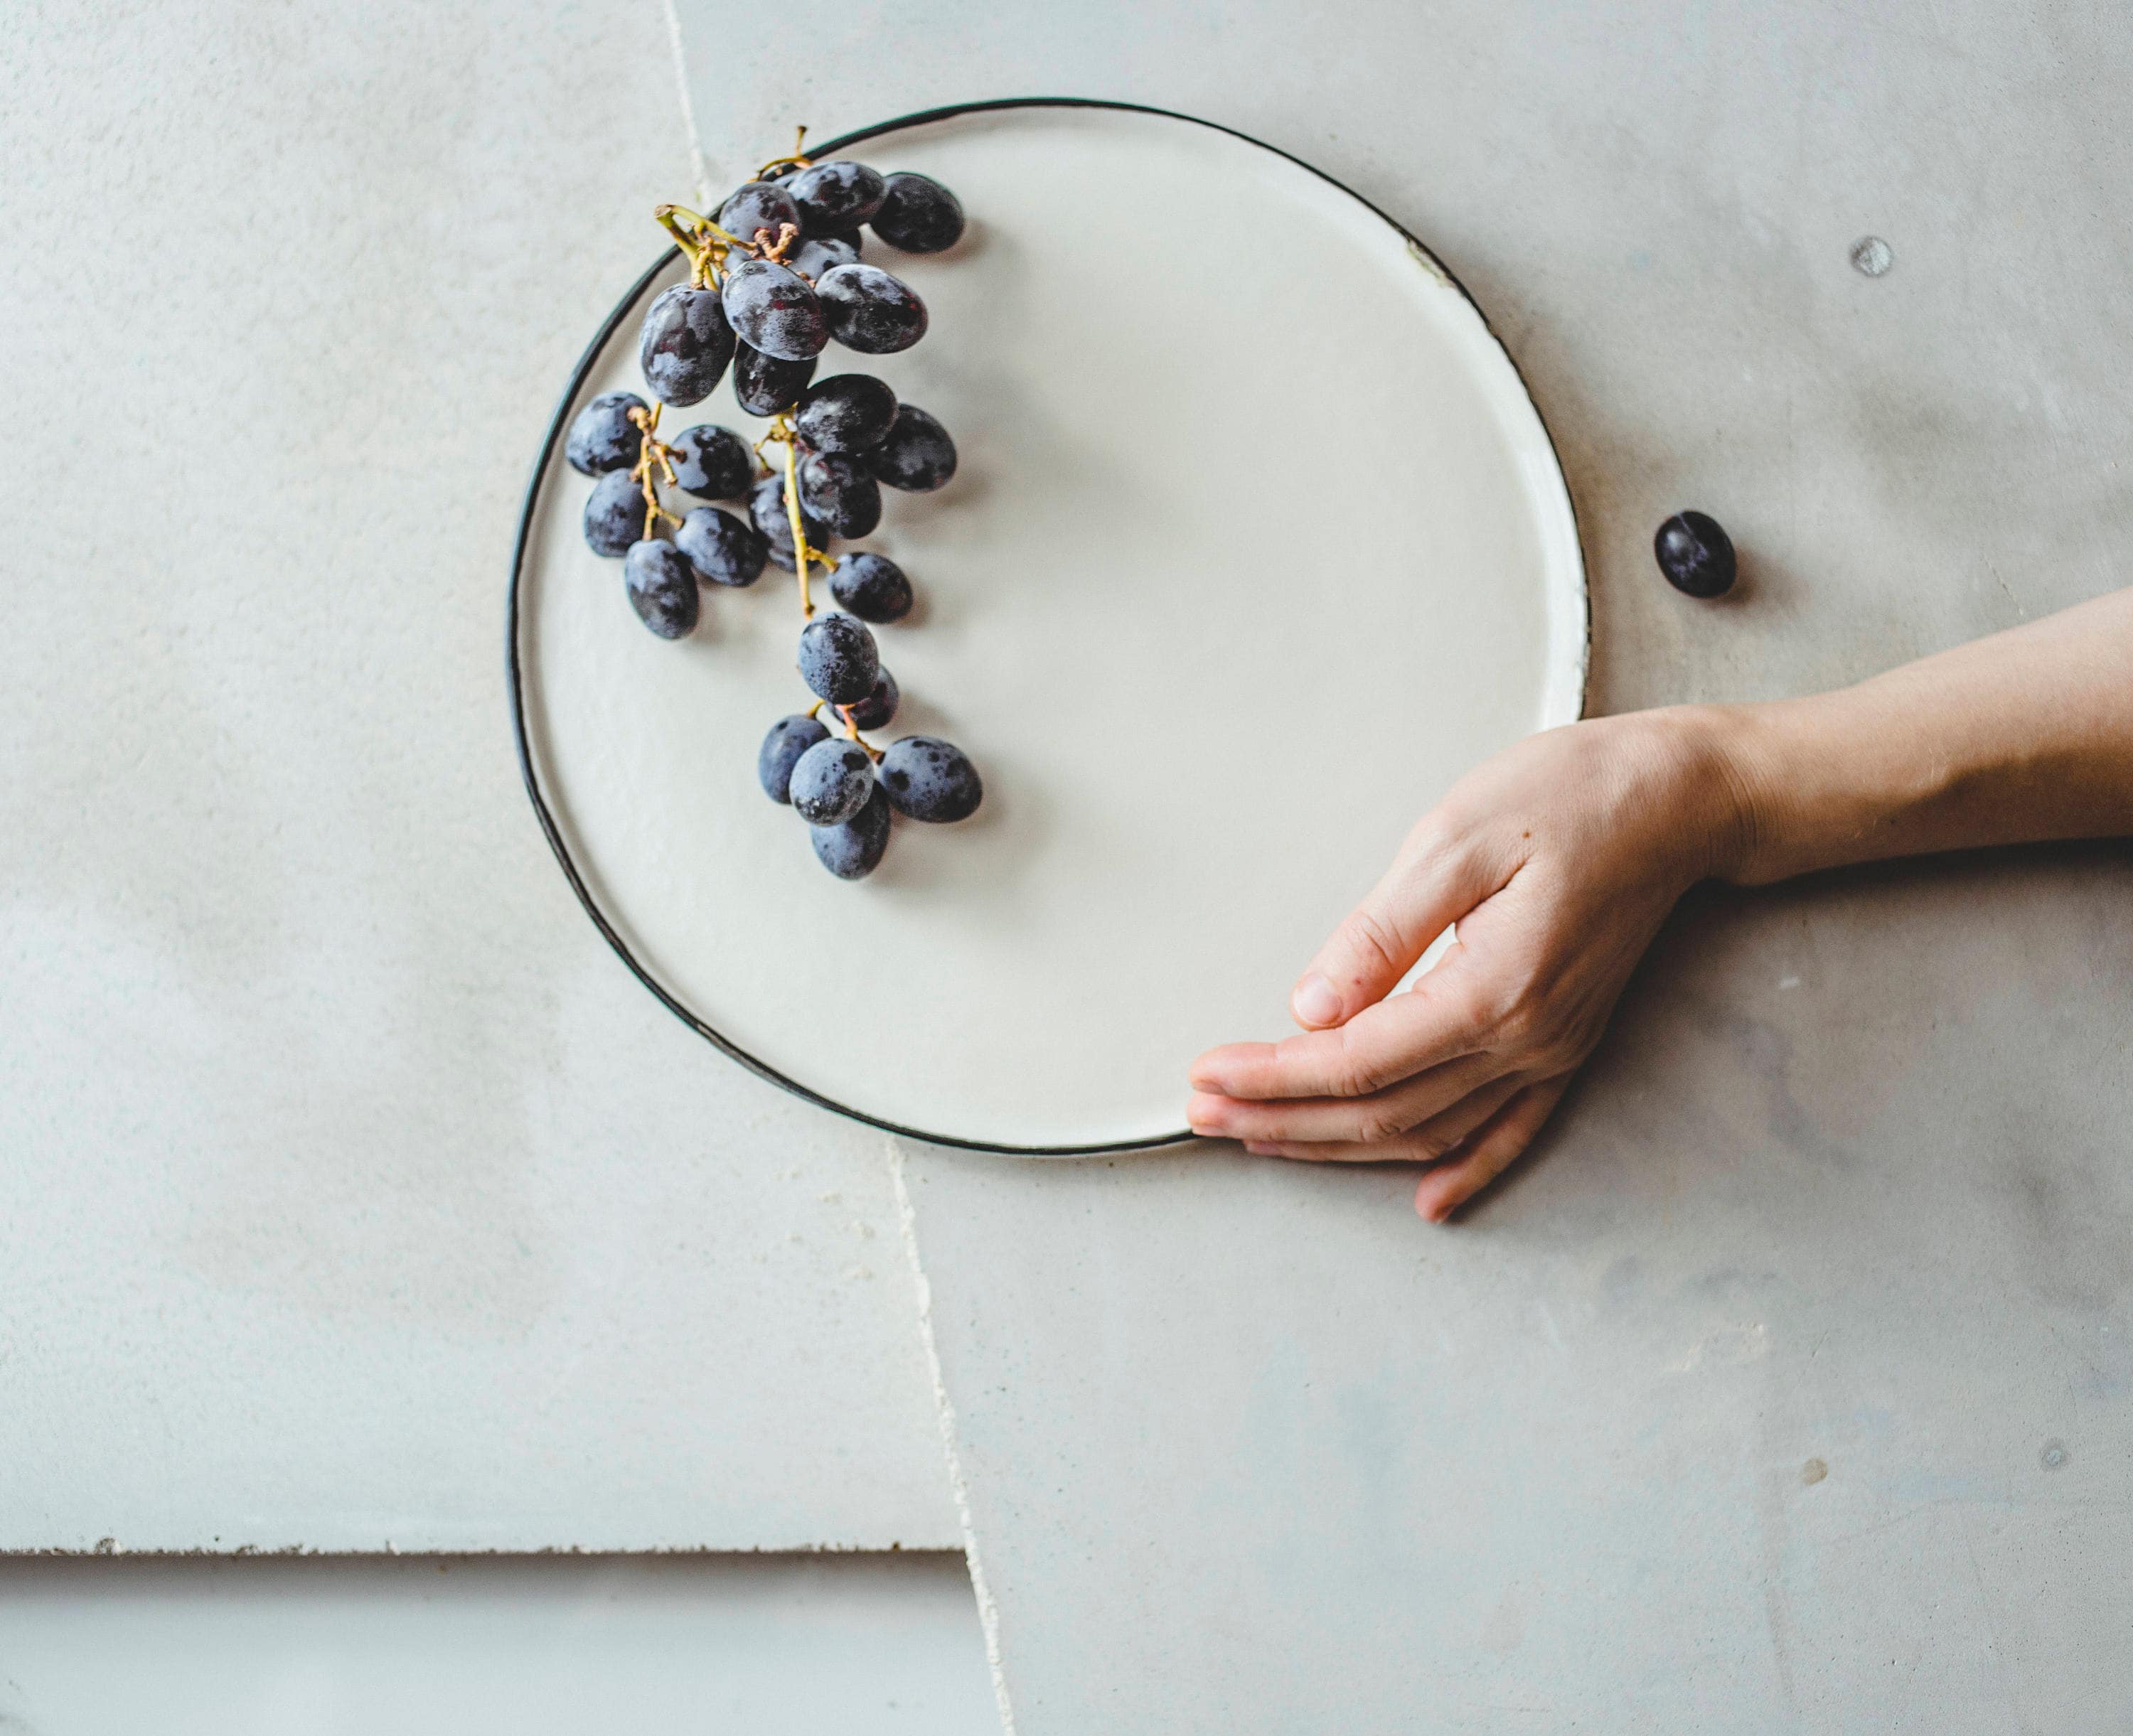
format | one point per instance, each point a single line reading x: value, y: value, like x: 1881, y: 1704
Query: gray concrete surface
x: 1786, y: 1388
x: 877, y: 1645
x: 351, y: 1194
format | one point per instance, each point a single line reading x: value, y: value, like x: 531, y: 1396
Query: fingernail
x: 1257, y: 1150
x: 1315, y: 1003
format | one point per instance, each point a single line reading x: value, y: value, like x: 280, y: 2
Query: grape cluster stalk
x: 653, y: 453
x: 774, y: 277
x: 805, y: 554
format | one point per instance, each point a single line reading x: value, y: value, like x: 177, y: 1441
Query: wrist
x: 1719, y: 791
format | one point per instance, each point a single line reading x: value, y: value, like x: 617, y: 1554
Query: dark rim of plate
x: 543, y: 464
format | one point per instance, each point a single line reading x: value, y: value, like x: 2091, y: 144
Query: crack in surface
x: 988, y: 1611
x: 696, y: 163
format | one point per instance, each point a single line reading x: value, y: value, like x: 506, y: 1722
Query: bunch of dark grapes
x: 774, y: 280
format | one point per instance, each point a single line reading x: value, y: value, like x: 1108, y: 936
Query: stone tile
x: 1657, y: 216
x: 1787, y: 1387
x: 876, y: 1645
x: 354, y: 1195
x: 1245, y: 1446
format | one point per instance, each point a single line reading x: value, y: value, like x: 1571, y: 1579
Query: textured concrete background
x: 1787, y: 1389
x: 864, y: 1645
x: 351, y: 1194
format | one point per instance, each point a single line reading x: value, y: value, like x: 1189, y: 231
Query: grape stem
x: 703, y: 244
x: 803, y: 552
x: 781, y: 430
x: 653, y: 452
x: 852, y: 733
x: 796, y: 160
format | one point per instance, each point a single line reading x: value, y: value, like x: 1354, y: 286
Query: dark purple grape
x: 837, y: 488
x: 722, y: 549
x: 1696, y: 555
x: 812, y: 257
x: 712, y: 463
x: 615, y: 513
x: 929, y: 779
x: 847, y: 413
x: 686, y: 345
x: 918, y: 215
x: 662, y: 588
x: 874, y: 711
x: 831, y: 782
x: 765, y: 385
x: 917, y: 454
x: 789, y: 738
x: 872, y: 587
x: 838, y: 660
x: 772, y: 309
x: 758, y: 205
x: 871, y: 311
x: 854, y: 850
x: 836, y: 196
x: 602, y: 437
x: 766, y: 508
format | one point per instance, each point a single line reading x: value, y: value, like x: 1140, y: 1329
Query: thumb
x: 1423, y: 893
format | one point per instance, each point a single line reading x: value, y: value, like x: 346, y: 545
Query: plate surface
x: 1257, y: 543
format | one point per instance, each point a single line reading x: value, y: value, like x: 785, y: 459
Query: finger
x: 1426, y: 890
x: 1408, y: 1148
x: 1448, y: 1129
x: 1437, y: 1021
x: 1424, y: 1143
x: 1380, y: 1116
x: 1490, y: 1152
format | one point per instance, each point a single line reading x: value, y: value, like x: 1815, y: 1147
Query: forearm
x: 2024, y: 736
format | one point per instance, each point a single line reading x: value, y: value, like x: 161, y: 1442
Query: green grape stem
x: 703, y: 244
x: 803, y: 552
x: 796, y: 160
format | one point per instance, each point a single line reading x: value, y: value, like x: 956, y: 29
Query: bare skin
x: 1560, y: 858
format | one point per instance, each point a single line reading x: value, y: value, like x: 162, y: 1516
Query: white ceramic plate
x: 1257, y: 543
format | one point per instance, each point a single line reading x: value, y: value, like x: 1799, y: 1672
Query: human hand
x: 1558, y: 859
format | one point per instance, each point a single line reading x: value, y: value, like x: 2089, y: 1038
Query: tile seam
x: 696, y: 162
x: 922, y: 1292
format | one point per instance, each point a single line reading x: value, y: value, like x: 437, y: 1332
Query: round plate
x: 1257, y: 543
